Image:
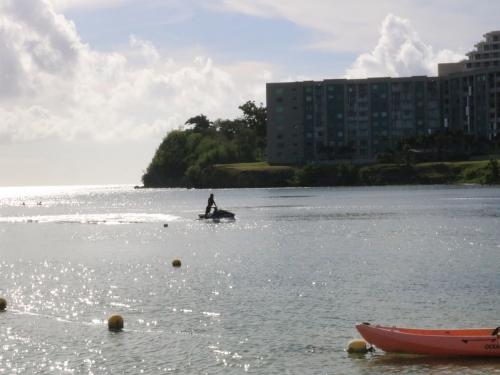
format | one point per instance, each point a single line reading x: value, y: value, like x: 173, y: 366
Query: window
x: 279, y: 109
x: 362, y: 91
x: 279, y: 91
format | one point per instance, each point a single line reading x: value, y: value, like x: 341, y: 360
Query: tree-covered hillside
x: 185, y: 157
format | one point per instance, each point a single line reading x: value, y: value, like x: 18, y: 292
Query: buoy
x: 3, y: 304
x: 115, y: 323
x: 165, y: 225
x: 176, y: 263
x: 357, y: 346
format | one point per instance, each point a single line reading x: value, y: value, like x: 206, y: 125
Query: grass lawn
x: 258, y: 166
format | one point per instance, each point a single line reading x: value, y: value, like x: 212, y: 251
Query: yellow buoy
x: 3, y: 304
x: 115, y: 323
x: 176, y: 263
x: 357, y: 346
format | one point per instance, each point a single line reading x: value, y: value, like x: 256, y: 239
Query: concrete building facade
x: 341, y: 119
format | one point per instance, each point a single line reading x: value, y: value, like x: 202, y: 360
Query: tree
x: 200, y: 123
x: 255, y: 117
x: 168, y: 165
x: 229, y: 128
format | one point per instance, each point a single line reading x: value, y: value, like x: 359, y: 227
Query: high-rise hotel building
x: 356, y: 119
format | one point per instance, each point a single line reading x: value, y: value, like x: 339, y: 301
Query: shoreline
x: 263, y: 175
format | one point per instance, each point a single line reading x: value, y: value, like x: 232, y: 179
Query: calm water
x: 278, y: 291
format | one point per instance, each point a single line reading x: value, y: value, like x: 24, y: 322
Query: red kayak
x: 478, y: 342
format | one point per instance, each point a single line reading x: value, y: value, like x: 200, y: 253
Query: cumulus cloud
x: 85, y: 4
x: 52, y: 85
x: 399, y: 52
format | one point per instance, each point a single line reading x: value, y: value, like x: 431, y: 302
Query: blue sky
x: 228, y: 37
x: 112, y: 77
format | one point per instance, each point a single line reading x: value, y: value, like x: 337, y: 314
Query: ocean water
x: 277, y: 291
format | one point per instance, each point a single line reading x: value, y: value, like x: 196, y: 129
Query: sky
x: 89, y: 88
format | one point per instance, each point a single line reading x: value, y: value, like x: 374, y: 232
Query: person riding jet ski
x: 210, y: 204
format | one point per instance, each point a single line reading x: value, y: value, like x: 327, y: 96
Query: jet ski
x: 218, y: 214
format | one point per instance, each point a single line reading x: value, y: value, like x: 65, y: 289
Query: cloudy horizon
x: 89, y: 88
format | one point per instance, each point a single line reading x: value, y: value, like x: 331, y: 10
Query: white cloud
x: 399, y: 52
x: 339, y: 25
x: 54, y: 86
x: 85, y: 4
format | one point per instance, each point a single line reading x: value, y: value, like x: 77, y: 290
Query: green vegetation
x: 343, y: 174
x: 492, y: 175
x: 187, y: 157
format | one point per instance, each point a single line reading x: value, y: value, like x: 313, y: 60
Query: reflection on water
x: 110, y: 219
x: 316, y: 216
x: 289, y: 196
x: 418, y: 364
x: 276, y: 291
